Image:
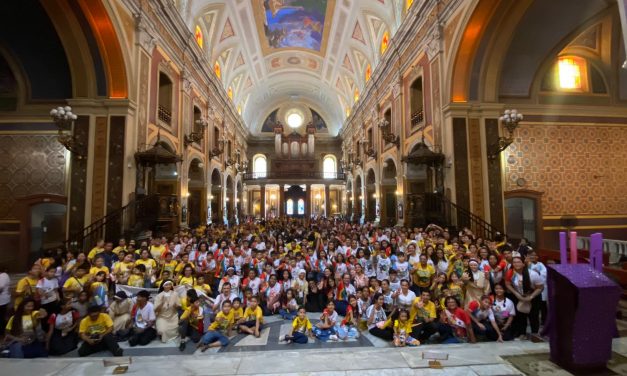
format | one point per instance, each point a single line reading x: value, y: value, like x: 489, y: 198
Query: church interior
x: 383, y: 111
x: 121, y: 118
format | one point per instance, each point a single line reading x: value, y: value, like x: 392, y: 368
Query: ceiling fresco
x: 270, y: 53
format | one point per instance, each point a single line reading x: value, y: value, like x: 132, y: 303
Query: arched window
x: 329, y: 169
x: 301, y: 206
x: 290, y: 207
x: 260, y: 167
x: 165, y: 99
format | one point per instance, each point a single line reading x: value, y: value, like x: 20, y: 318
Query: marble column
x: 307, y: 200
x: 263, y: 201
x: 281, y: 202
x: 327, y: 201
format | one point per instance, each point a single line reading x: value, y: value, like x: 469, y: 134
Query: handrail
x: 616, y: 249
x: 90, y: 234
x: 426, y: 208
x: 295, y: 175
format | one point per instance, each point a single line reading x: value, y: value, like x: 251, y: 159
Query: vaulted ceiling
x: 270, y: 53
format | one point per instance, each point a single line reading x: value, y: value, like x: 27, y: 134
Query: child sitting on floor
x: 403, y: 329
x: 253, y: 318
x: 219, y: 330
x: 301, y: 328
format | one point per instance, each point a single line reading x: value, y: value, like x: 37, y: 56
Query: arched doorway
x: 215, y: 198
x: 388, y: 193
x: 295, y: 202
x: 523, y: 216
x: 371, y: 199
x: 196, y: 196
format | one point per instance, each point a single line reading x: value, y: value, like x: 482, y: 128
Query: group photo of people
x: 333, y: 280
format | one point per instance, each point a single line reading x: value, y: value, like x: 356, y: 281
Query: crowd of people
x: 408, y: 286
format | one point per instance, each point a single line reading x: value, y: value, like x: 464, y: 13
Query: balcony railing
x: 165, y: 115
x: 616, y: 249
x: 295, y: 175
x: 417, y: 117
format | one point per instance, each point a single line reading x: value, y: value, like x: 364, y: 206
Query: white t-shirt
x: 481, y: 315
x: 144, y: 315
x: 383, y: 268
x: 517, y: 281
x: 403, y: 270
x: 503, y: 309
x: 5, y: 294
x: 254, y: 285
x: 378, y: 316
x: 221, y: 298
x: 48, y: 290
x: 405, y: 301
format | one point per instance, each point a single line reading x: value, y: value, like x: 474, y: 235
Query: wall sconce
x: 386, y: 130
x: 368, y: 150
x: 374, y: 195
x: 187, y: 194
x: 198, y: 134
x: 218, y: 150
x: 63, y: 118
x: 510, y: 121
x: 398, y: 193
x: 361, y: 198
x: 227, y: 199
x: 241, y: 167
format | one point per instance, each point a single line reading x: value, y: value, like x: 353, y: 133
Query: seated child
x: 253, y: 318
x: 403, y: 329
x: 219, y: 330
x: 301, y: 328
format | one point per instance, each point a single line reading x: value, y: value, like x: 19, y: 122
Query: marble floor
x: 467, y: 359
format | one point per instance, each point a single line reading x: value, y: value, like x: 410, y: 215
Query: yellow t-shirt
x: 204, y: 288
x: 95, y: 270
x: 26, y: 286
x: 121, y: 268
x: 402, y: 327
x: 135, y: 280
x: 76, y: 284
x: 95, y: 327
x: 423, y: 274
x: 94, y: 252
x: 156, y: 251
x: 301, y: 325
x: 179, y: 268
x: 28, y: 323
x: 222, y: 322
x: 117, y: 250
x: 187, y: 281
x: 236, y: 314
x: 427, y: 311
x: 169, y: 266
x: 253, y: 314
x: 150, y: 264
x: 192, y: 314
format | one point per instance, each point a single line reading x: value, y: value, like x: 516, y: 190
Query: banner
x: 181, y: 291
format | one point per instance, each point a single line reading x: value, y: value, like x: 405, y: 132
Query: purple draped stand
x: 582, y: 315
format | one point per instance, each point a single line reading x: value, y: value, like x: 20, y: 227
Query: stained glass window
x: 217, y: 70
x: 570, y: 73
x: 290, y: 207
x: 198, y: 36
x: 301, y: 207
x: 384, y: 42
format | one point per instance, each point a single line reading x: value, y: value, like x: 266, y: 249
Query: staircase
x: 424, y: 208
x: 157, y: 213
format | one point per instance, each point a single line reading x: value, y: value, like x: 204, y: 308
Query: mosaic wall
x: 581, y: 169
x: 30, y: 164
